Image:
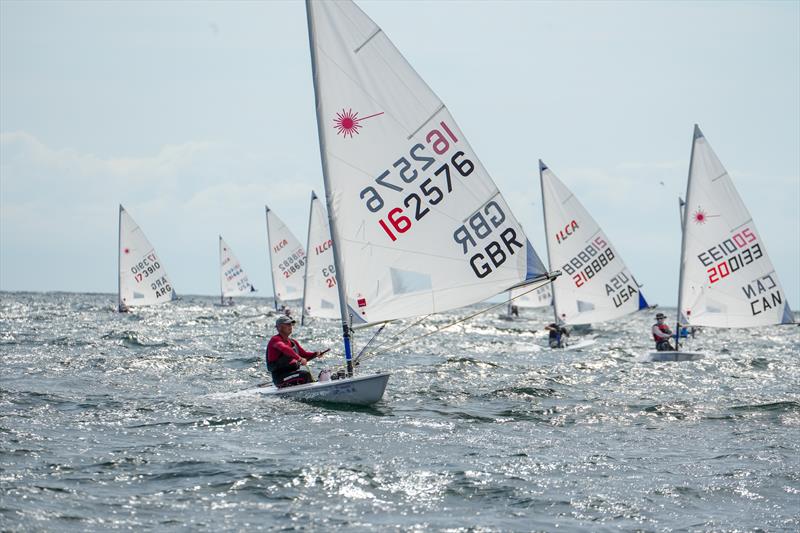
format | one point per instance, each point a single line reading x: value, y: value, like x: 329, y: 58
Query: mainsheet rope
x: 380, y: 349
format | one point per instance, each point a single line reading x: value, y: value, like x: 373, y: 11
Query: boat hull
x: 673, y: 357
x: 359, y: 390
x: 578, y: 345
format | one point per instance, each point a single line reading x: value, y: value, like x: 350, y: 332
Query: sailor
x: 514, y: 310
x: 557, y: 334
x: 662, y: 334
x: 286, y: 359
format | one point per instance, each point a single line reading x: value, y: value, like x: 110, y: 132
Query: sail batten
x: 374, y: 33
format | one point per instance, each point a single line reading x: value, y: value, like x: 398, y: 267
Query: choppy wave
x: 153, y: 420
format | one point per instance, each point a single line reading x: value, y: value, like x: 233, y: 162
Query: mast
x: 337, y: 260
x: 695, y: 135
x: 308, y: 251
x: 119, y: 260
x: 221, y: 275
x: 269, y: 255
x: 542, y: 168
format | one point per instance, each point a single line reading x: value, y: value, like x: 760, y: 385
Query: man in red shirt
x: 286, y: 359
x: 662, y: 334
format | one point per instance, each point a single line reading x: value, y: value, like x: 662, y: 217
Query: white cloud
x: 63, y: 204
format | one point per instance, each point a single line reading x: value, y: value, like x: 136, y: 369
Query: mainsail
x: 726, y: 276
x: 232, y: 278
x: 596, y: 286
x: 320, y: 296
x: 142, y: 278
x: 418, y: 224
x: 287, y: 260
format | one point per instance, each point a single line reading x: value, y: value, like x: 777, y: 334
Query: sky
x: 194, y: 115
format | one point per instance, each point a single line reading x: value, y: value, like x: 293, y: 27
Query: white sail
x: 142, y: 278
x: 320, y: 297
x: 596, y: 286
x: 727, y: 278
x: 540, y: 297
x: 232, y: 278
x: 287, y: 259
x: 419, y: 225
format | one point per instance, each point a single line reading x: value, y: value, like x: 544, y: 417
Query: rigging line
x: 468, y: 317
x: 361, y: 355
x: 396, y: 335
x: 374, y: 336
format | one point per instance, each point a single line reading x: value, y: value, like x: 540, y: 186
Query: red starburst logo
x: 347, y: 122
x: 127, y: 250
x: 700, y: 216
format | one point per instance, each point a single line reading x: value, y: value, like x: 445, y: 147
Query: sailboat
x: 524, y: 298
x: 287, y: 260
x: 142, y: 278
x: 232, y: 278
x: 541, y: 297
x: 597, y: 286
x: 418, y: 226
x: 320, y: 294
x: 726, y: 279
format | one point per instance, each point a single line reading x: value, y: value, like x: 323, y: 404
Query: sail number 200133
x: 425, y: 192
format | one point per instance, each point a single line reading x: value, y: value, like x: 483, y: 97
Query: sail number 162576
x: 428, y: 191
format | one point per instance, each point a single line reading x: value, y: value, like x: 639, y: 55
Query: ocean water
x: 139, y: 422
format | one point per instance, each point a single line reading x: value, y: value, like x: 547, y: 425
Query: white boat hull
x: 359, y: 390
x: 577, y: 345
x: 673, y: 357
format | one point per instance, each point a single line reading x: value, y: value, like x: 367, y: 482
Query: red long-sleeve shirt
x: 277, y: 348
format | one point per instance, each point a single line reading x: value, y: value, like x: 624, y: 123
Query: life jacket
x: 664, y: 329
x: 556, y: 333
x: 283, y: 364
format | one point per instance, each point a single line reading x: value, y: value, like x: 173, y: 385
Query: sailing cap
x: 284, y: 320
x: 660, y: 315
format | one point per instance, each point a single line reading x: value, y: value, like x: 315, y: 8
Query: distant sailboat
x: 596, y: 285
x: 541, y: 297
x: 418, y: 225
x: 726, y: 278
x: 142, y: 278
x: 525, y: 298
x: 232, y: 278
x: 320, y: 294
x: 287, y: 260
